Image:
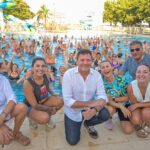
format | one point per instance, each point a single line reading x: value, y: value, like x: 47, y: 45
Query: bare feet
x: 6, y: 135
x: 23, y: 140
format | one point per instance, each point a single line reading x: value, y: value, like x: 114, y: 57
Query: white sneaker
x: 32, y: 124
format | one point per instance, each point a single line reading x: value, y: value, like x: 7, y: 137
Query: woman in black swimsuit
x: 15, y: 71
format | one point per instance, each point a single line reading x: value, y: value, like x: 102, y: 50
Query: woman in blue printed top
x: 116, y: 89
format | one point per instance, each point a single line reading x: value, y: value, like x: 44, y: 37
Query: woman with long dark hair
x: 39, y: 97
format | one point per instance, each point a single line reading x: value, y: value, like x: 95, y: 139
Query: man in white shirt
x: 84, y: 98
x: 10, y: 109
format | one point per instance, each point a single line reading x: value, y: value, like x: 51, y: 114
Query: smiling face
x: 98, y: 56
x: 39, y: 68
x: 106, y: 69
x: 71, y: 56
x: 14, y: 67
x: 143, y: 74
x: 136, y: 51
x: 113, y: 58
x: 62, y: 69
x: 84, y: 62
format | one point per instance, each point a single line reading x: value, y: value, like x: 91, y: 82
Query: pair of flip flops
x: 142, y: 131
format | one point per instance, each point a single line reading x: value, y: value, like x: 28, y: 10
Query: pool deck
x: 54, y: 139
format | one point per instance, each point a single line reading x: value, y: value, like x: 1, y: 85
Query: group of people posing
x: 92, y: 92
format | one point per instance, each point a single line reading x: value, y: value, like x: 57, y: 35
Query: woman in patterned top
x: 116, y: 89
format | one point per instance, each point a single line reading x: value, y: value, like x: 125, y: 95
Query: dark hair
x: 26, y: 70
x: 36, y: 59
x: 119, y: 55
x: 84, y: 52
x: 114, y: 55
x: 11, y: 66
x: 115, y: 68
x: 98, y: 53
x: 15, y: 64
x: 136, y: 42
x: 143, y: 65
x: 53, y: 69
x: 105, y: 61
x: 71, y: 54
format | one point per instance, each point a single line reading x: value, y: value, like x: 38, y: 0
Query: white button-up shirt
x: 74, y: 88
x: 6, y: 93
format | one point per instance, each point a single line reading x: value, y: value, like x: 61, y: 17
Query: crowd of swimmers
x: 116, y: 92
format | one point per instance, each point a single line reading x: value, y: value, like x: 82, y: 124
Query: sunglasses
x: 136, y: 49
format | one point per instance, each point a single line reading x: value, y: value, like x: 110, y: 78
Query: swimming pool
x: 18, y: 88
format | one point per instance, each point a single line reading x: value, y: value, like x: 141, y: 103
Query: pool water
x: 18, y: 88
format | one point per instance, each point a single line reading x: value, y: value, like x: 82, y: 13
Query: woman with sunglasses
x: 139, y: 94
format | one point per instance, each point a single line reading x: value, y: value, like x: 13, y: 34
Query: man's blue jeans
x: 72, y: 128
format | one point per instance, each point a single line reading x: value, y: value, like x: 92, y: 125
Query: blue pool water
x: 18, y: 88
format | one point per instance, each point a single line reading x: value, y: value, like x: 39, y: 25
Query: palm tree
x: 43, y: 14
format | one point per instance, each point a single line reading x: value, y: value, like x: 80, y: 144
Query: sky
x: 72, y: 10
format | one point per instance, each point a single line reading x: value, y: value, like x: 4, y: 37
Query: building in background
x: 73, y: 11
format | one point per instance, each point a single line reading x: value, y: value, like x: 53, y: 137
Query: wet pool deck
x: 54, y: 139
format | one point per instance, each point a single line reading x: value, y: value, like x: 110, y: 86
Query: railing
x: 125, y: 30
x: 104, y: 28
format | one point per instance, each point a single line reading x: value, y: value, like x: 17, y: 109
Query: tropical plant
x: 21, y: 10
x: 43, y: 14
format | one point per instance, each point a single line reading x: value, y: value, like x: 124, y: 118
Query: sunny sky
x: 72, y: 10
